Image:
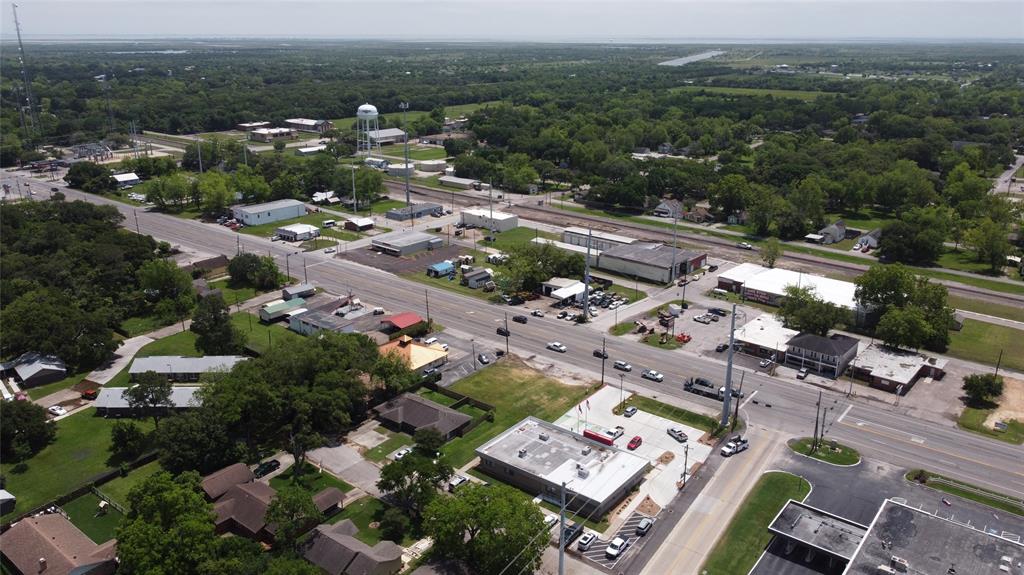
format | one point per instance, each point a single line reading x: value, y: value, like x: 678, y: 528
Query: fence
x: 975, y: 490
x: 461, y: 400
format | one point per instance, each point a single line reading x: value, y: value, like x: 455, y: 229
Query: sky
x: 512, y: 20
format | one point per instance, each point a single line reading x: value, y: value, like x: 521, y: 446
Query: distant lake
x: 693, y: 58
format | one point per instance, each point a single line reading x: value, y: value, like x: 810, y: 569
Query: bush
x: 394, y: 524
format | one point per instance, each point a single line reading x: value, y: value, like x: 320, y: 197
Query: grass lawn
x: 622, y: 328
x: 747, y: 535
x: 395, y: 441
x: 865, y: 220
x: 436, y: 397
x: 117, y: 489
x: 973, y: 419
x: 805, y: 95
x: 967, y: 491
x: 44, y: 390
x: 980, y: 306
x: 179, y: 343
x: 267, y: 230
x: 364, y: 511
x: 233, y: 295
x: 260, y: 336
x: 416, y: 152
x: 677, y: 414
x: 138, y: 325
x: 982, y: 342
x: 842, y: 455
x: 515, y: 391
x: 515, y: 236
x: 311, y: 480
x: 82, y: 512
x: 633, y: 294
x: 79, y: 453
x: 654, y: 340
x: 963, y: 260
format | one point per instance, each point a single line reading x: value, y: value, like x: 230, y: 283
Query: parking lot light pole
x: 561, y: 534
x: 621, y: 377
x: 686, y: 462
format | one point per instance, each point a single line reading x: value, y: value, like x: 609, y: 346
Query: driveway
x: 346, y: 463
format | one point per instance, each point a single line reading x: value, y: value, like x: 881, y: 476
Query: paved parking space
x: 596, y: 553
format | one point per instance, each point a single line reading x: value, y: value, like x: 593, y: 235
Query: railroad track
x: 650, y: 233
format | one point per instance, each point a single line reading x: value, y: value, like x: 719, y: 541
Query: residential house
x: 335, y: 550
x: 830, y: 234
x: 699, y: 215
x: 417, y: 356
x: 217, y: 483
x: 826, y: 356
x: 870, y: 240
x: 179, y: 368
x: 51, y: 545
x: 409, y: 412
x: 359, y: 224
x: 400, y: 321
x: 31, y: 369
x: 669, y: 209
x: 112, y: 402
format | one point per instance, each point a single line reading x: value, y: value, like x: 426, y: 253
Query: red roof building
x: 402, y: 320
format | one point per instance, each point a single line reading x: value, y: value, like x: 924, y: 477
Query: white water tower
x: 366, y: 117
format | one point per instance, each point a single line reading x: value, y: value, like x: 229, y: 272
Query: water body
x: 693, y: 58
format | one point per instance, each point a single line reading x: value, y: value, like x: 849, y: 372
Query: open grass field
x: 747, y: 535
x: 83, y: 513
x: 865, y: 219
x: 672, y: 412
x: 233, y: 295
x: 515, y: 390
x: 963, y: 260
x: 117, y: 489
x: 960, y: 489
x: 415, y: 152
x: 394, y: 119
x: 973, y: 419
x: 515, y: 236
x: 805, y: 95
x: 982, y: 342
x: 841, y: 455
x: 141, y: 324
x: 363, y: 512
x: 311, y: 480
x: 80, y: 452
x: 44, y: 390
x: 622, y: 328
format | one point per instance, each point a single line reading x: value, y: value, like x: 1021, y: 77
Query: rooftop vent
x: 586, y: 450
x: 583, y: 472
x: 544, y: 436
x: 522, y: 452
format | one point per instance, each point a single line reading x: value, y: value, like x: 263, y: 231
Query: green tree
x: 24, y: 430
x: 770, y: 251
x: 394, y: 524
x: 292, y: 512
x: 279, y: 146
x: 981, y: 388
x: 319, y: 173
x: 286, y: 186
x: 198, y: 440
x: 162, y: 279
x: 369, y: 186
x: 428, y: 441
x: 213, y: 189
x: 127, y: 440
x: 252, y: 186
x: 260, y: 272
x: 171, y: 191
x: 412, y: 481
x: 91, y: 177
x: 730, y: 195
x: 904, y: 327
x: 392, y: 375
x: 151, y: 392
x: 49, y: 322
x: 988, y: 240
x: 162, y: 509
x: 884, y: 286
x: 804, y: 311
x: 491, y: 528
x: 531, y: 264
x: 903, y: 187
x: 215, y: 333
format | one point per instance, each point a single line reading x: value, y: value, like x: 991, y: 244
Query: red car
x: 90, y: 394
x: 635, y: 442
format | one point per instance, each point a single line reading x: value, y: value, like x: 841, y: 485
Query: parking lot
x: 596, y: 552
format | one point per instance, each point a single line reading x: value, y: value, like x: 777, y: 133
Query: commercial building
x: 477, y: 278
x: 112, y: 402
x: 297, y: 232
x: 336, y: 551
x: 404, y: 243
x: 301, y: 290
x: 416, y: 355
x: 250, y: 126
x: 386, y: 136
x: 765, y: 336
x: 277, y: 309
x: 431, y: 165
x: 563, y: 289
x: 821, y: 537
x: 768, y: 285
x: 31, y: 369
x: 400, y: 321
x: 414, y: 211
x: 440, y: 139
x: 178, y: 368
x: 654, y: 262
x: 359, y: 224
x: 895, y: 370
x: 307, y: 125
x: 488, y: 220
x: 50, y: 544
x: 600, y: 241
x: 269, y: 212
x: 409, y: 413
x: 456, y: 182
x: 270, y: 134
x: 539, y: 457
x: 126, y: 180
x: 826, y: 356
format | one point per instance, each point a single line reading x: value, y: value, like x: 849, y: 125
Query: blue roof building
x: 441, y: 269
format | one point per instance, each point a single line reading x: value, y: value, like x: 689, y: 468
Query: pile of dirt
x: 666, y: 458
x: 648, y: 507
x: 1011, y: 404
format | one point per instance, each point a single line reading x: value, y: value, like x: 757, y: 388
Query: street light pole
x: 604, y: 357
x: 473, y: 342
x: 506, y: 333
x: 621, y: 398
x: 726, y: 401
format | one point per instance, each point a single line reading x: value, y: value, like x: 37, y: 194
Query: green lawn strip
x: 311, y: 480
x: 987, y: 308
x: 963, y: 260
x: 363, y: 512
x: 677, y: 414
x: 416, y: 152
x: 233, y: 295
x: 317, y: 219
x: 179, y: 343
x: 515, y: 391
x: 504, y: 240
x: 982, y: 342
x: 633, y: 294
x: 471, y: 411
x: 841, y: 455
x: 968, y: 491
x: 394, y: 442
x: 117, y: 489
x: 83, y: 513
x: 654, y: 340
x: 973, y: 419
x: 260, y: 336
x: 747, y: 535
x: 976, y: 281
x: 44, y: 390
x: 805, y: 95
x: 79, y: 453
x: 436, y: 397
x: 622, y: 328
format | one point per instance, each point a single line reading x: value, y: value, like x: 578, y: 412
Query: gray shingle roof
x: 420, y: 412
x: 835, y: 345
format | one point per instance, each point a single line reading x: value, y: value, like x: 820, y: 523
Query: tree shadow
x: 983, y: 404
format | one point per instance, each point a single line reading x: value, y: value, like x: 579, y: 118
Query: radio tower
x: 29, y: 120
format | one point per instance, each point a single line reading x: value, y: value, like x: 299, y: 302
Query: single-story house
x: 112, y: 402
x: 31, y: 369
x: 830, y: 234
x: 699, y: 215
x: 440, y: 269
x: 127, y: 180
x: 298, y: 232
x: 387, y: 136
x: 179, y: 368
x: 827, y: 356
x: 336, y: 551
x: 477, y: 278
x: 217, y: 483
x: 50, y: 544
x: 870, y: 239
x: 669, y: 209
x: 409, y: 413
x: 307, y: 125
x: 416, y: 355
x: 400, y: 321
x: 359, y: 224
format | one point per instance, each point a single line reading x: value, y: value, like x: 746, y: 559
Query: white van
x: 329, y: 223
x: 430, y: 341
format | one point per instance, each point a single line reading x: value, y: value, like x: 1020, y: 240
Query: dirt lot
x: 1011, y: 404
x: 414, y: 263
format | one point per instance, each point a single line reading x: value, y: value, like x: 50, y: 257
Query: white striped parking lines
x: 596, y: 553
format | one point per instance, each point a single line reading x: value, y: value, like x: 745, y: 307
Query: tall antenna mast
x: 31, y: 121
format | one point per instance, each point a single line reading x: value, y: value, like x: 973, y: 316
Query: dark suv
x: 266, y: 468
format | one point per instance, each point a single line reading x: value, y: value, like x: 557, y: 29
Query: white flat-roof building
x: 538, y: 457
x: 495, y: 221
x: 387, y: 136
x: 768, y: 285
x: 765, y: 336
x: 456, y: 182
x: 563, y: 289
x: 269, y: 212
x: 270, y: 134
x: 298, y: 232
x: 895, y: 370
x: 598, y: 240
x: 250, y: 126
x: 126, y: 180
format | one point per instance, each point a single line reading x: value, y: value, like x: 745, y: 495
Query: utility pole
x: 426, y: 296
x: 727, y: 400
x: 305, y: 276
x: 561, y: 534
x: 672, y: 270
x: 686, y: 462
x: 998, y: 363
x: 136, y: 213
x: 621, y: 397
x: 405, y: 107
x: 473, y: 342
x: 604, y: 357
x: 506, y: 333
x: 586, y: 284
x: 199, y: 151
x: 736, y: 412
x: 817, y: 411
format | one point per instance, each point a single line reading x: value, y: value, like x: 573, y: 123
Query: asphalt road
x: 872, y: 427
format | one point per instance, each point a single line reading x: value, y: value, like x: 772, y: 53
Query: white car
x: 537, y: 313
x: 549, y: 521
x: 623, y: 365
x: 330, y: 251
x: 765, y: 362
x: 56, y: 410
x: 402, y: 453
x: 653, y: 375
x: 678, y: 434
x: 556, y: 346
x: 616, y: 548
x: 586, y: 541
x: 744, y: 246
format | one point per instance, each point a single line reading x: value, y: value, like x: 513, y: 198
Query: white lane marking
x: 845, y: 411
x: 744, y: 404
